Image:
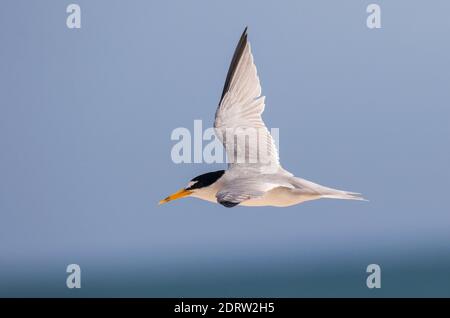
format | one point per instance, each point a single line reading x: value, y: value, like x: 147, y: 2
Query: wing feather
x: 239, y: 114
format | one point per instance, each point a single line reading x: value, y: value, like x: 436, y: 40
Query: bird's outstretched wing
x: 238, y: 121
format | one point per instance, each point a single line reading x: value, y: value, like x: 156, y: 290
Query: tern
x: 259, y: 179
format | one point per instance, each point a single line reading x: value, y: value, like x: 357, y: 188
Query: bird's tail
x: 344, y: 195
x: 309, y: 187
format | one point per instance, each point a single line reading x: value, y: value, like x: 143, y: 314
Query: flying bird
x: 254, y: 176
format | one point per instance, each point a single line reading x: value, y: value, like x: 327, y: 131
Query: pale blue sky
x: 85, y: 123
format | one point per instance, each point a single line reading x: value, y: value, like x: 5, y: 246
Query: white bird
x: 254, y: 176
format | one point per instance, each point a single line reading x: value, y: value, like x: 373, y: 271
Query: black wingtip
x: 234, y: 61
x: 245, y: 33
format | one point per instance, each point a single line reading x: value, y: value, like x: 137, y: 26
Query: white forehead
x: 191, y: 183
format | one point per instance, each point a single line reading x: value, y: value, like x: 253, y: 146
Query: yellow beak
x: 177, y: 195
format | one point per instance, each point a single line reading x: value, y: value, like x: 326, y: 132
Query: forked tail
x: 344, y: 195
x: 309, y: 187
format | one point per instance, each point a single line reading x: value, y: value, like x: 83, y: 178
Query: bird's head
x: 196, y: 185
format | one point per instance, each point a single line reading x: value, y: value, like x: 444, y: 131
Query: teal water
x: 402, y: 275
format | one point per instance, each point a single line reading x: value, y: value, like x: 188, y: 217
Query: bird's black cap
x: 206, y: 179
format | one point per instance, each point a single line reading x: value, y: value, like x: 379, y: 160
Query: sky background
x: 85, y: 122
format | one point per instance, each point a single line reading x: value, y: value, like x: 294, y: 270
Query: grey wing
x: 238, y: 116
x: 238, y: 190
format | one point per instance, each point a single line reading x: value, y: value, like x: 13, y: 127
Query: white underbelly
x: 280, y: 197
